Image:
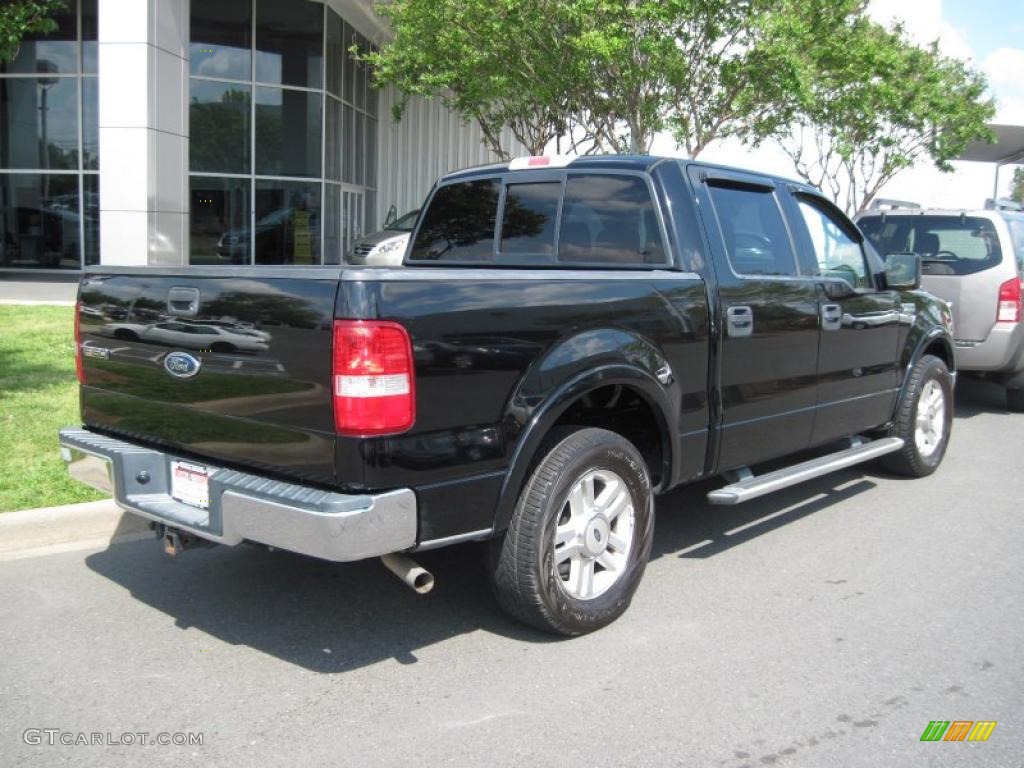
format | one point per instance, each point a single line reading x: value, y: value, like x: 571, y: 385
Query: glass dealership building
x: 166, y: 132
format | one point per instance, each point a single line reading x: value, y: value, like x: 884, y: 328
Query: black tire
x: 524, y: 575
x: 222, y: 346
x: 909, y: 460
x: 126, y: 335
x: 1015, y: 400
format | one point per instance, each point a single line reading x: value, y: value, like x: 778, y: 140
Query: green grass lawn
x: 38, y: 395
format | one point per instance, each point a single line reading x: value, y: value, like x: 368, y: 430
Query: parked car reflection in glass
x: 283, y: 236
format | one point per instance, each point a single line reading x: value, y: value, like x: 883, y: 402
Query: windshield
x: 404, y: 224
x: 947, y: 244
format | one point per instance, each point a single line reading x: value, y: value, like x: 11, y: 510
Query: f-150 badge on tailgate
x: 182, y: 365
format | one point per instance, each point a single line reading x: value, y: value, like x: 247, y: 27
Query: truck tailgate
x: 219, y: 365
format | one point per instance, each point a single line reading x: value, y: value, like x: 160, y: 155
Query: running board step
x: 753, y: 486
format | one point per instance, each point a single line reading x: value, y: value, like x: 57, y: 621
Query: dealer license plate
x: 190, y: 484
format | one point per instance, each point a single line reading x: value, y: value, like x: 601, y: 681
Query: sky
x: 990, y: 35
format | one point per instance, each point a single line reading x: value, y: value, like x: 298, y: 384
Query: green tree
x: 1017, y: 185
x: 599, y: 75
x: 873, y: 104
x: 497, y: 63
x: 702, y: 69
x: 19, y: 18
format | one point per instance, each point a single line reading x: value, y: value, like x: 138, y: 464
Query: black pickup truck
x: 567, y: 339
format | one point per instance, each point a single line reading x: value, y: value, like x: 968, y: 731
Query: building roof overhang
x: 360, y: 15
x: 1008, y: 147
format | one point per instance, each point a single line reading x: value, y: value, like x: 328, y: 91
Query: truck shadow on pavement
x: 331, y: 617
x: 325, y: 617
x: 337, y: 617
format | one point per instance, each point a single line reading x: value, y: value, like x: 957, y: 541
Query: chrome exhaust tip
x: 416, y: 577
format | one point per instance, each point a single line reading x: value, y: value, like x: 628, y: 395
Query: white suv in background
x: 975, y: 261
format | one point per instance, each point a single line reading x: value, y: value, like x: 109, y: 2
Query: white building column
x: 143, y: 121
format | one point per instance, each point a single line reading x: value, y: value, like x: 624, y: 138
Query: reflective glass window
x: 287, y: 132
x: 219, y: 127
x: 90, y: 124
x: 219, y: 231
x: 336, y: 53
x: 609, y: 219
x: 287, y: 222
x: 221, y: 39
x: 39, y: 123
x: 459, y: 223
x: 528, y: 219
x: 91, y: 217
x: 39, y: 221
x: 289, y: 43
x: 335, y: 140
x: 333, y: 245
x: 756, y: 238
x: 90, y: 31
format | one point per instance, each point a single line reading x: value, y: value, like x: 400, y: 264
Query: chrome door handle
x: 739, y: 322
x: 831, y: 317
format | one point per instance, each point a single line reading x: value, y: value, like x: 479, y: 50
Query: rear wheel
x: 580, y: 536
x: 1015, y: 400
x: 924, y: 418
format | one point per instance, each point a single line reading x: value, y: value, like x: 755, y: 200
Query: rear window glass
x: 609, y: 219
x: 528, y: 221
x: 459, y: 224
x: 947, y: 245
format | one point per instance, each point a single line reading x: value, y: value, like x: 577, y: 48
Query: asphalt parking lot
x: 823, y: 626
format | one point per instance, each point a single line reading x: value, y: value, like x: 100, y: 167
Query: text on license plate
x: 190, y: 484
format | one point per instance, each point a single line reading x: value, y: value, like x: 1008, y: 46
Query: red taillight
x: 374, y: 380
x: 1009, y: 302
x: 79, y: 371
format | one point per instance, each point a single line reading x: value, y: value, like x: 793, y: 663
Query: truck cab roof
x: 636, y: 163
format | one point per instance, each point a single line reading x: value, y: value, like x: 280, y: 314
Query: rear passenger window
x: 528, y: 221
x: 459, y: 223
x: 755, y: 234
x: 609, y: 219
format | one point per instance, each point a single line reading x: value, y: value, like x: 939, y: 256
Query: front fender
x: 922, y: 312
x: 576, y: 366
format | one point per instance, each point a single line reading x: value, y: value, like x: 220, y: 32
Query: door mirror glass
x: 903, y: 271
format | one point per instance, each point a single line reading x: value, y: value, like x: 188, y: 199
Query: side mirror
x: 903, y: 271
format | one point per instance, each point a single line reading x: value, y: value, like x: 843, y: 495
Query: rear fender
x: 576, y: 366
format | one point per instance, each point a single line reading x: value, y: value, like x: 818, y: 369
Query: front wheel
x: 580, y: 535
x: 924, y: 418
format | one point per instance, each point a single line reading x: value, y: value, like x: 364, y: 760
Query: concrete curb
x: 92, y: 525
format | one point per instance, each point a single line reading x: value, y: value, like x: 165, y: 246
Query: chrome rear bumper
x: 244, y: 507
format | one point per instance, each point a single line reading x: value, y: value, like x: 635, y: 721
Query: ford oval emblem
x: 182, y: 365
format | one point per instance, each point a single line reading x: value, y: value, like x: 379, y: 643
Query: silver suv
x: 975, y: 261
